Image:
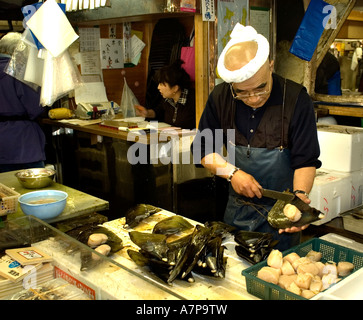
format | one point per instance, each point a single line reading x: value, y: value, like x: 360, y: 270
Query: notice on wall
x: 111, y: 53
x: 260, y: 20
x: 208, y: 10
x: 90, y: 62
x: 89, y: 39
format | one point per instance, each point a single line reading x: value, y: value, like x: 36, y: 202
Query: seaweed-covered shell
x: 154, y: 244
x: 277, y: 219
x: 220, y: 228
x: 251, y: 238
x: 138, y: 213
x: 172, y: 225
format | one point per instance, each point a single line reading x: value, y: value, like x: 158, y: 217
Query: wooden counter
x: 78, y: 203
x: 97, y: 129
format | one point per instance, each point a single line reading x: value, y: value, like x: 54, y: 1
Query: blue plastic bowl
x: 43, y: 204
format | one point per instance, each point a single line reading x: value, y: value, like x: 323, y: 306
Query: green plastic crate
x: 330, y: 252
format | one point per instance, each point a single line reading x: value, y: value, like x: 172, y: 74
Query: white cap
x: 240, y: 34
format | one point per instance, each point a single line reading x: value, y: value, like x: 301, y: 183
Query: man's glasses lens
x: 256, y: 93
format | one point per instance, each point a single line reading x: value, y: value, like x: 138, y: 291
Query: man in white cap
x: 275, y: 138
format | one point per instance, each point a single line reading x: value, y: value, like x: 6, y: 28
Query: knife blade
x: 287, y: 197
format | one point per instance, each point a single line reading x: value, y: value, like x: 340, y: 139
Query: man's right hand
x: 246, y: 185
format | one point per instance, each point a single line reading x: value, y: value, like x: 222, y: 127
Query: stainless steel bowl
x: 35, y: 178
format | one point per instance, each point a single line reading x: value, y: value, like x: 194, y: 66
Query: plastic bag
x: 60, y: 76
x: 18, y: 63
x: 128, y: 101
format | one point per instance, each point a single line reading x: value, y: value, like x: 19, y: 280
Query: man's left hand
x: 304, y: 198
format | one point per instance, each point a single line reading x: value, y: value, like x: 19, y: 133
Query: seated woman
x: 178, y: 106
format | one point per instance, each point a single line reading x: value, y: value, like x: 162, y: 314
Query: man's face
x: 256, y: 90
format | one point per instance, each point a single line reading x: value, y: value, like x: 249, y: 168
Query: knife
x: 287, y: 197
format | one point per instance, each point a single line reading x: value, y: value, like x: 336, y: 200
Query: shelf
x: 325, y: 110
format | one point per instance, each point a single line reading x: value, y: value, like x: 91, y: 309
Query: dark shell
x: 278, y: 220
x: 159, y: 267
x: 93, y: 218
x: 138, y: 258
x: 138, y: 213
x: 190, y: 257
x: 252, y: 239
x: 177, y: 248
x: 179, y: 258
x: 254, y: 246
x: 172, y: 225
x: 212, y: 261
x: 249, y: 256
x: 112, y: 239
x: 87, y: 261
x: 154, y: 244
x: 220, y: 228
x: 82, y: 234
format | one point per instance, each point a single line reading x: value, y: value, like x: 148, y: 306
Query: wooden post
x: 201, y: 66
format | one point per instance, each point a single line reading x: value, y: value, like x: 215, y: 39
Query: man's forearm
x: 215, y: 163
x: 304, y: 179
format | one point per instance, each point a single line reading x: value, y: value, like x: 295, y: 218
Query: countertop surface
x: 78, y: 203
x: 143, y: 136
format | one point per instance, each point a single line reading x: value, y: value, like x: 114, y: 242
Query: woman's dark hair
x: 173, y: 75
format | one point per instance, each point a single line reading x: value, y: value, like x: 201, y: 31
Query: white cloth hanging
x: 357, y: 55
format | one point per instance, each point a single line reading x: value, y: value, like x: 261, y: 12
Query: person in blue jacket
x: 22, y: 141
x: 268, y: 129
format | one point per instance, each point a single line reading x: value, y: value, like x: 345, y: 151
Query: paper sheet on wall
x: 111, y: 53
x: 89, y: 39
x: 52, y: 28
x: 92, y: 78
x: 260, y: 20
x: 208, y: 10
x: 90, y: 62
x: 136, y: 47
x: 91, y: 92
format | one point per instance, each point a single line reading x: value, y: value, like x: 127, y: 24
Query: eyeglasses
x: 254, y: 93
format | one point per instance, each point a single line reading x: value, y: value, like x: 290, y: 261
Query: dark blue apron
x: 271, y: 168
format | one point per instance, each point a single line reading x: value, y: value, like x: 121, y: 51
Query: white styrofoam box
x: 331, y: 193
x: 341, y: 147
x: 357, y: 189
x: 349, y: 288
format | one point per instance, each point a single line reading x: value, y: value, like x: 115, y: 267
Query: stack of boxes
x: 338, y: 185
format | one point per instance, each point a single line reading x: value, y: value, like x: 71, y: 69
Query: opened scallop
x: 292, y: 212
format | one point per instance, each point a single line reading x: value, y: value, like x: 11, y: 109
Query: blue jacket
x: 21, y: 138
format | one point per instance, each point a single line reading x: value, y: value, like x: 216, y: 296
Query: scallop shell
x: 277, y: 219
